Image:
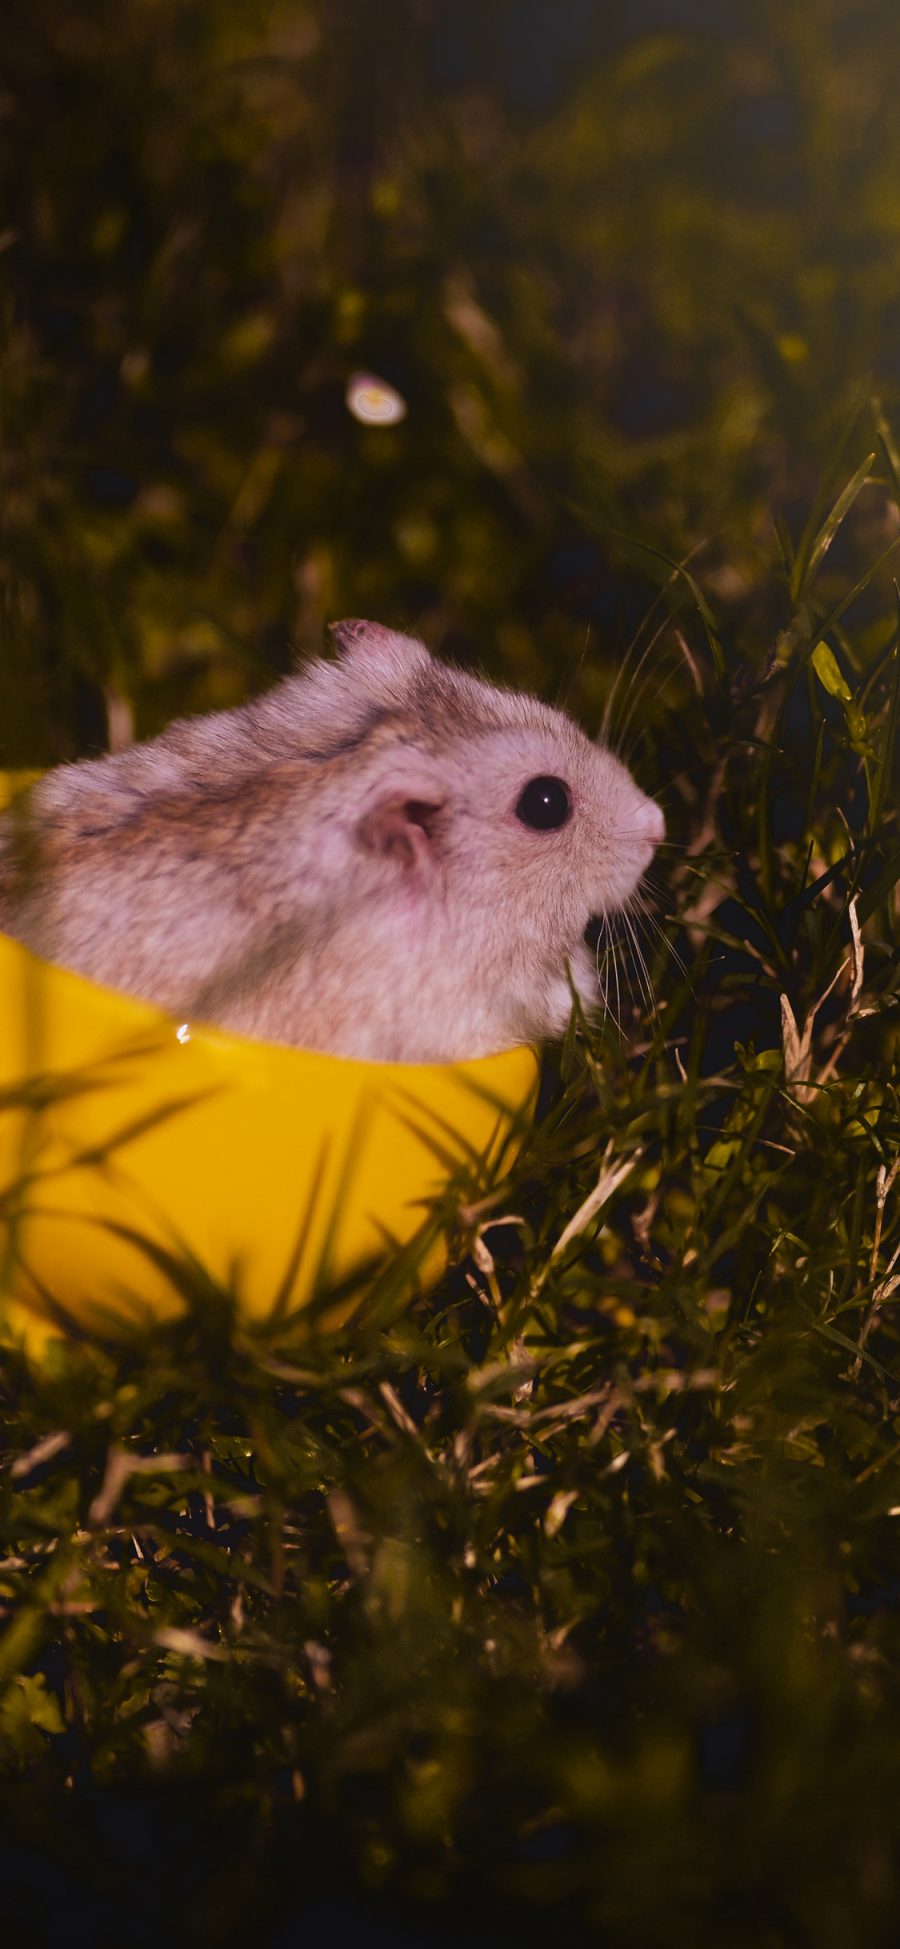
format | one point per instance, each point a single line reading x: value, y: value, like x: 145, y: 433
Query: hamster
x: 382, y: 857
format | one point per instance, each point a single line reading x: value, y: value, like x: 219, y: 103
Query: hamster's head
x: 485, y: 832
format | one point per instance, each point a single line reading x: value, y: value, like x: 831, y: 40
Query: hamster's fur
x: 338, y: 864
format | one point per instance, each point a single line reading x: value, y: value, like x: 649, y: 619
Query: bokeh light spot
x: 373, y: 401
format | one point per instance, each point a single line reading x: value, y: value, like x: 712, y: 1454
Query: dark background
x: 629, y: 266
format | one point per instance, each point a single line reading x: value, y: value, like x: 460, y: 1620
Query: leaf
x: 828, y: 671
x: 557, y: 1510
x: 804, y: 570
x: 27, y: 1710
x: 882, y: 794
x: 41, y: 1706
x: 879, y: 888
x: 886, y: 436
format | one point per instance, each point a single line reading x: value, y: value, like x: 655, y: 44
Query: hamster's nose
x: 649, y: 824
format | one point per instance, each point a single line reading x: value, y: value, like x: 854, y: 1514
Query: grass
x: 575, y: 1587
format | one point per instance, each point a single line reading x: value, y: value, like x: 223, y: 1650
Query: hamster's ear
x: 399, y: 827
x: 382, y: 657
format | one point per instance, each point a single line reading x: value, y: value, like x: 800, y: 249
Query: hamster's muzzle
x: 649, y: 826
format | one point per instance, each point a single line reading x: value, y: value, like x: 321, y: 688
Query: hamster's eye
x: 544, y: 804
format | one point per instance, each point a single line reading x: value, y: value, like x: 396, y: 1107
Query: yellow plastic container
x: 139, y: 1154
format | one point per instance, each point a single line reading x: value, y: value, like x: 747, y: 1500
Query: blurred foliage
x: 626, y: 281
x: 577, y: 1588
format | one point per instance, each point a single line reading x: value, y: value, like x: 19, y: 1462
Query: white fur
x: 339, y: 864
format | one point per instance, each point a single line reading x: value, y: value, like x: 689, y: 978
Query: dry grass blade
x: 612, y: 1177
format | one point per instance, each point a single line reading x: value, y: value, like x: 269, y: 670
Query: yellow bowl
x: 140, y: 1156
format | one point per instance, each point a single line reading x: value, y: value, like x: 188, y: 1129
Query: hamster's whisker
x: 664, y: 794
x: 645, y: 970
x: 639, y: 898
x: 634, y: 961
x: 634, y: 832
x: 615, y: 969
x: 601, y: 953
x: 641, y: 968
x: 609, y: 961
x: 651, y: 920
x: 626, y: 970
